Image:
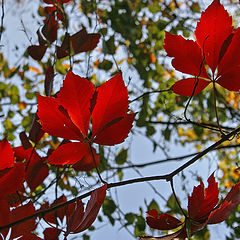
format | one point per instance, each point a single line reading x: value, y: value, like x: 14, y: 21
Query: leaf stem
x: 95, y: 163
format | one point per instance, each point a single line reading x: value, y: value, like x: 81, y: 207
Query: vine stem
x: 95, y: 163
x: 175, y: 196
x: 166, y: 177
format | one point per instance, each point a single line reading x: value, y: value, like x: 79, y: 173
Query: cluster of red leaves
x: 217, y: 45
x: 77, y: 43
x: 77, y: 219
x: 68, y: 116
x: 19, y: 165
x: 203, y: 209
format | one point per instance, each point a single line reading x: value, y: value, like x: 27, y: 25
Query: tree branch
x: 167, y: 177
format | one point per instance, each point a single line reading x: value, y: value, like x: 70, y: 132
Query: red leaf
x: 179, y: 235
x: 55, y: 119
x: 69, y: 153
x: 111, y: 123
x: 87, y: 163
x: 225, y: 208
x: 185, y: 87
x: 51, y: 233
x: 15, y: 199
x: 36, y: 170
x: 162, y: 222
x: 20, y: 213
x: 61, y: 212
x: 187, y: 55
x: 75, y: 96
x: 200, y: 204
x: 212, y: 30
x: 4, y: 216
x: 25, y: 140
x: 63, y: 51
x: 69, y: 115
x: 37, y: 52
x: 229, y: 69
x: 80, y: 221
x: 49, y: 29
x: 36, y: 132
x: 30, y: 236
x: 83, y: 41
x: 7, y: 157
x: 114, y: 133
x: 12, y: 180
x: 48, y: 83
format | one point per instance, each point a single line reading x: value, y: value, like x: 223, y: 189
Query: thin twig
x: 148, y: 93
x: 2, y: 18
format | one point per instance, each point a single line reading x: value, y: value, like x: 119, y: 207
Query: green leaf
x: 153, y: 205
x: 121, y: 157
x: 140, y: 226
x: 130, y: 217
x: 105, y: 65
x: 109, y: 46
x: 108, y: 206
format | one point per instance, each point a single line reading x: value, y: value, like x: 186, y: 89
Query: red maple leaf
x: 68, y: 116
x: 203, y: 209
x: 216, y: 43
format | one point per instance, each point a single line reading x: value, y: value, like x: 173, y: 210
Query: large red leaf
x: 12, y: 180
x: 190, y: 86
x: 36, y: 170
x: 69, y: 153
x: 55, y: 120
x: 7, y: 157
x: 212, y: 30
x: 187, y: 55
x: 162, y: 222
x: 201, y: 203
x: 75, y: 96
x: 20, y: 213
x: 111, y: 106
x: 81, y: 221
x: 229, y: 66
x: 115, y: 132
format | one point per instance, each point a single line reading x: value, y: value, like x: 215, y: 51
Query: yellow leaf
x: 33, y: 69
